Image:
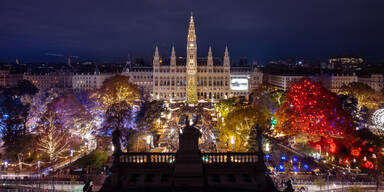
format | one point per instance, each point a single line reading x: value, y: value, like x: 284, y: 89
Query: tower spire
x: 173, y: 56
x: 191, y: 30
x: 210, y: 57
x: 226, y: 57
x: 191, y: 63
x: 156, y: 51
x: 156, y: 58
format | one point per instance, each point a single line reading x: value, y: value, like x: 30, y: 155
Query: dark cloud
x: 262, y: 29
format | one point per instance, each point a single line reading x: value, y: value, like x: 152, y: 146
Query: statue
x: 116, y: 141
x: 189, y: 140
x: 117, y: 149
x: 259, y: 139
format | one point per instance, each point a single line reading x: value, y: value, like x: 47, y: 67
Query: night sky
x: 109, y: 30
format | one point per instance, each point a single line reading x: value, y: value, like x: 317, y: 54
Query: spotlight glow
x: 378, y: 119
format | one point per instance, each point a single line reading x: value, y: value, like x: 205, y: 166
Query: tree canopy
x: 311, y: 108
x: 117, y: 89
x: 365, y: 95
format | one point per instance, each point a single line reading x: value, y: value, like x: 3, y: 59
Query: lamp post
x: 38, y: 167
x: 342, y: 182
x: 6, y: 164
x: 71, y: 155
x: 148, y: 140
x: 233, y: 142
x: 20, y: 158
x: 376, y: 172
x: 328, y: 173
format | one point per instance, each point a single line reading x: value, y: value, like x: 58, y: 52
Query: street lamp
x: 38, y: 167
x: 148, y: 140
x: 233, y: 142
x: 71, y: 155
x: 6, y: 164
x: 267, y: 147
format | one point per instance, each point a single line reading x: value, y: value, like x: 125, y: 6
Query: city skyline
x: 257, y: 30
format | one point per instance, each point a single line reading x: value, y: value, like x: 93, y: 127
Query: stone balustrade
x: 207, y: 158
x: 152, y: 158
x: 235, y: 158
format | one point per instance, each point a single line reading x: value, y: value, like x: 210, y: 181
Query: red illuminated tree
x: 312, y: 109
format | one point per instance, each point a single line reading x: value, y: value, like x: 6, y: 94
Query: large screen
x: 239, y: 83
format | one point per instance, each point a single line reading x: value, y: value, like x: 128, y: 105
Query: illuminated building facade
x: 191, y: 78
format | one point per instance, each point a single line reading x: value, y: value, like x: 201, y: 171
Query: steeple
x: 156, y: 58
x: 226, y: 52
x: 226, y: 57
x: 156, y: 51
x: 210, y: 57
x: 191, y: 30
x: 191, y: 63
x: 173, y: 56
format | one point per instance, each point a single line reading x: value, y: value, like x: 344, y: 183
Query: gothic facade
x: 191, y: 78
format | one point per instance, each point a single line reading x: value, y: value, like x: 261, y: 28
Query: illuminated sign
x: 239, y: 83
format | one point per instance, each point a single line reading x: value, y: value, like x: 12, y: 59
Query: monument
x: 188, y: 169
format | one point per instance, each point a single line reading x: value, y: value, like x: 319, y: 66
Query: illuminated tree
x: 365, y: 95
x: 38, y: 106
x: 118, y: 116
x: 236, y: 127
x: 52, y: 139
x: 115, y: 101
x: 13, y: 119
x: 271, y: 99
x: 228, y: 105
x: 116, y: 89
x: 267, y: 95
x: 309, y: 107
x: 149, y: 114
x: 73, y: 116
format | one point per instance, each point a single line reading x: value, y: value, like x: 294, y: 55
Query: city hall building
x: 192, y: 78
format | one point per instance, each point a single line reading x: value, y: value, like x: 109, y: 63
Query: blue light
x: 283, y: 158
x: 267, y: 156
x: 306, y: 167
x: 281, y: 167
x: 5, y: 116
x: 294, y: 168
x: 294, y: 159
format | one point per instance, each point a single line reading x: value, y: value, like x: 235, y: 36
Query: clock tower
x: 191, y: 63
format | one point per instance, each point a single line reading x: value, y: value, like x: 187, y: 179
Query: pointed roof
x: 191, y: 29
x: 209, y: 51
x: 226, y: 52
x: 173, y: 54
x: 156, y: 51
x: 191, y: 18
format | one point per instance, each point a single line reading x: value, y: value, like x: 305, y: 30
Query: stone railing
x: 207, y: 158
x: 151, y: 158
x: 233, y: 158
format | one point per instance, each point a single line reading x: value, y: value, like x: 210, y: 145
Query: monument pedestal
x: 188, y: 170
